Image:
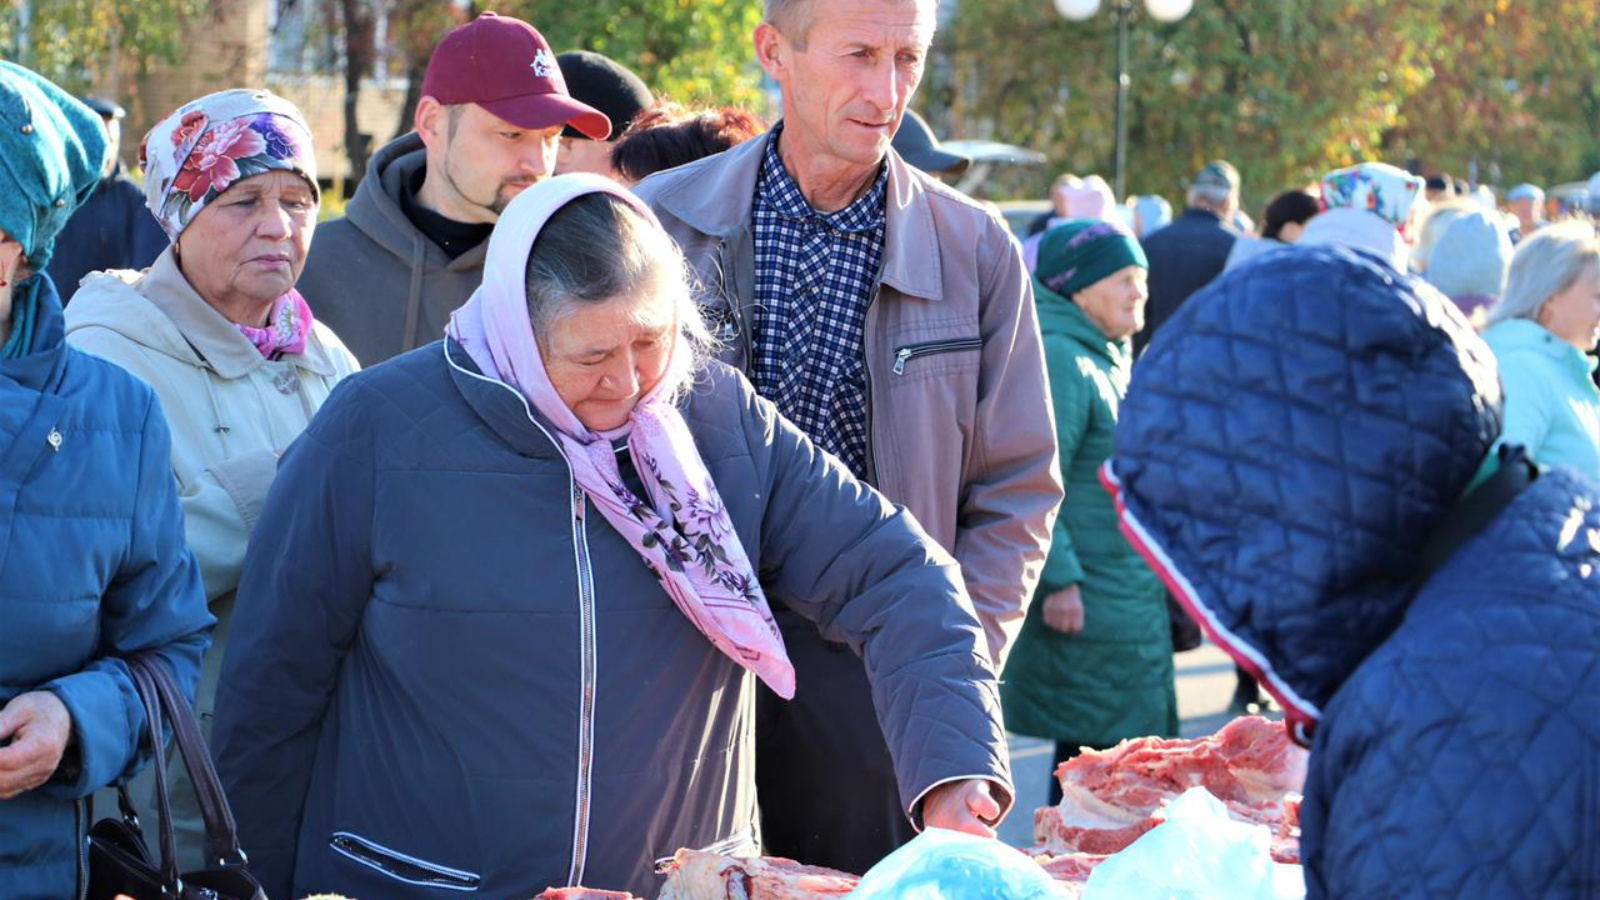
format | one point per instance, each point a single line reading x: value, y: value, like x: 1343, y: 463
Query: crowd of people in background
x: 618, y: 476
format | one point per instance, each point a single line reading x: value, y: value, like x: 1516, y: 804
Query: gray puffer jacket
x: 450, y: 676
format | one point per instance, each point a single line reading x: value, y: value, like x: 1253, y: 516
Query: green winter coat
x: 1114, y: 679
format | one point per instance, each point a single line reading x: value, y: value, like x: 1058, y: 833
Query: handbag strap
x: 222, y: 832
x: 171, y: 881
x: 1473, y: 512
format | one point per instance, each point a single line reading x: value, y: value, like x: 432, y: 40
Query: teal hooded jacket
x: 1114, y: 679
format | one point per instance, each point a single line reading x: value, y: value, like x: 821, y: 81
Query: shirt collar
x: 777, y: 187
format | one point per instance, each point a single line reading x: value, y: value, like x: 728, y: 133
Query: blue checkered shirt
x: 815, y: 274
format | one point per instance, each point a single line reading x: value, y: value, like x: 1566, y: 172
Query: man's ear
x: 431, y: 122
x: 772, y: 51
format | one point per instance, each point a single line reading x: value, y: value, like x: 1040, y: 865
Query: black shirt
x: 454, y: 238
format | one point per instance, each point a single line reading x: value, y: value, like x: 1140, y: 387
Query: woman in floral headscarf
x: 216, y: 327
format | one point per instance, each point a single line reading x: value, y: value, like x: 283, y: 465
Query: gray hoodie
x: 375, y: 279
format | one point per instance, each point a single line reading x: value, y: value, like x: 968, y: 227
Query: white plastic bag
x: 1199, y: 853
x: 948, y: 865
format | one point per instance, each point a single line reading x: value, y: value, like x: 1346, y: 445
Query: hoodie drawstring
x: 414, y: 300
x: 222, y: 428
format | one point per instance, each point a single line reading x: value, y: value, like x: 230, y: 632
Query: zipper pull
x: 54, y: 440
x: 900, y: 360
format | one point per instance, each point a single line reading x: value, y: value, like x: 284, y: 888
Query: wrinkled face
x: 248, y: 245
x: 584, y: 155
x: 603, y: 358
x: 1115, y: 303
x: 844, y: 93
x: 482, y: 161
x: 1574, y: 314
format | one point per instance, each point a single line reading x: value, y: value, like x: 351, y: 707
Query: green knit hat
x: 1076, y: 254
x: 52, y: 151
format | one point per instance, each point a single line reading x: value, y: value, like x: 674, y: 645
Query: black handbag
x: 119, y: 859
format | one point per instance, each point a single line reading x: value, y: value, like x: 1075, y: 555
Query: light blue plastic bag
x: 1198, y: 853
x: 949, y: 865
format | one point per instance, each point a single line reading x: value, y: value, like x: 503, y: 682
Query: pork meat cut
x: 1110, y: 798
x: 694, y: 875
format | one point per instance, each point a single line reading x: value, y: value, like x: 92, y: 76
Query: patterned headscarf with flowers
x: 207, y: 145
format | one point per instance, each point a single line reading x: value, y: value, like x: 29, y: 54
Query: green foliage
x: 1516, y: 86
x: 1285, y: 89
x: 72, y: 42
x: 693, y: 51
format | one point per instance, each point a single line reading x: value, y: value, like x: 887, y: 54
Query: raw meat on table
x: 693, y: 875
x: 1110, y: 798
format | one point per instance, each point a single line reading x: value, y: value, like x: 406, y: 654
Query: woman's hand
x: 37, y: 726
x: 967, y: 805
x: 1063, y: 610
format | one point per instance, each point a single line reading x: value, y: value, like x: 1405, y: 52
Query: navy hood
x: 1288, y: 444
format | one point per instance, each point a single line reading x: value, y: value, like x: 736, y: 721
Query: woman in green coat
x: 1093, y: 665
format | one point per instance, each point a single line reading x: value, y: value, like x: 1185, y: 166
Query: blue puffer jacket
x: 93, y: 566
x: 1294, y: 446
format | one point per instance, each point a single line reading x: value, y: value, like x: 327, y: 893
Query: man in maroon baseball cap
x: 410, y: 249
x: 505, y: 66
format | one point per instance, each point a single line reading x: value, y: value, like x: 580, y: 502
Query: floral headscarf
x: 201, y: 150
x: 1378, y: 188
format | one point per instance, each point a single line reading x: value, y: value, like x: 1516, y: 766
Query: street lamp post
x: 1161, y: 11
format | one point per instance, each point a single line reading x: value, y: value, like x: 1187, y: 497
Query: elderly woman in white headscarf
x: 519, y: 580
x: 217, y: 328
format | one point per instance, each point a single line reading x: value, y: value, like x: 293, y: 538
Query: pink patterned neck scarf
x: 680, y: 529
x: 287, y: 327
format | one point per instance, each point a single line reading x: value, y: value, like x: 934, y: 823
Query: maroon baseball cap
x: 505, y: 66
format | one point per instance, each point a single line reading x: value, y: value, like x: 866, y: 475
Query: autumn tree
x: 1514, y: 89
x: 693, y: 52
x: 1285, y: 90
x: 76, y: 43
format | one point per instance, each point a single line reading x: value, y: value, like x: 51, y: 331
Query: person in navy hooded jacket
x: 93, y: 564
x: 1305, y: 456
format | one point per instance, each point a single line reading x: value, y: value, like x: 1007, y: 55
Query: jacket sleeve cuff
x: 104, y: 729
x: 1061, y: 571
x: 246, y: 478
x: 1002, y: 795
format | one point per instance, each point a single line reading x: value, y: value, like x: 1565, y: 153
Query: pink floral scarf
x: 680, y: 528
x: 287, y: 327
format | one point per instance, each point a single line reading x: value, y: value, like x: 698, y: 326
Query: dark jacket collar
x: 41, y: 369
x: 501, y: 407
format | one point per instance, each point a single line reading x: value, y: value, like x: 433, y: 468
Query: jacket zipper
x: 588, y: 652
x: 81, y: 826
x: 874, y: 469
x: 906, y: 354
x: 586, y: 617
x: 400, y: 866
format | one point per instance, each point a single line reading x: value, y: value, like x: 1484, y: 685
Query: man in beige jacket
x: 891, y: 319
